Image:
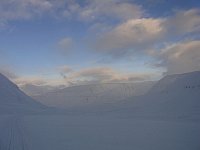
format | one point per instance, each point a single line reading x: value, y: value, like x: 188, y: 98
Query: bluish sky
x: 77, y: 42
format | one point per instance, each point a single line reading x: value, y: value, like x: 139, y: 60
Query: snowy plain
x: 165, y: 118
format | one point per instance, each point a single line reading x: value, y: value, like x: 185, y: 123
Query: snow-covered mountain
x: 93, y: 94
x: 174, y: 95
x: 12, y: 99
x: 178, y: 82
x: 165, y: 118
x: 34, y: 90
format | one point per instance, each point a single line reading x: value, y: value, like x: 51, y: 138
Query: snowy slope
x: 34, y: 90
x: 178, y: 82
x: 173, y: 96
x: 93, y: 94
x: 12, y: 99
x: 166, y: 119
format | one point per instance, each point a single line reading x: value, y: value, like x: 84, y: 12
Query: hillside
x: 13, y: 100
x: 172, y: 96
x: 93, y: 94
x: 166, y: 117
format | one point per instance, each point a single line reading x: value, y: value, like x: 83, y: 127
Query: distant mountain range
x: 110, y: 116
x: 174, y: 95
x: 93, y: 94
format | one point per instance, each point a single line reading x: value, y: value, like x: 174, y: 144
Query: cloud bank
x: 180, y: 57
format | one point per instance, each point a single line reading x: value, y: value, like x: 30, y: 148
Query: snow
x: 35, y: 90
x: 93, y: 94
x: 91, y: 131
x: 165, y: 118
x: 178, y: 82
x: 13, y: 100
x: 13, y: 133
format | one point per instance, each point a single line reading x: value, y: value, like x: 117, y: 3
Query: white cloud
x: 22, y: 9
x: 38, y: 80
x: 104, y: 75
x: 134, y: 33
x: 111, y: 8
x: 34, y: 80
x: 180, y: 57
x: 183, y: 22
x: 91, y: 10
x: 69, y: 76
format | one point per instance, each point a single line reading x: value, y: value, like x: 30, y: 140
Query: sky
x: 72, y: 42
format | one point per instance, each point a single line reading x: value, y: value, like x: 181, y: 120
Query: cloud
x: 8, y: 73
x: 180, y: 57
x: 69, y: 77
x: 23, y: 80
x: 104, y: 75
x: 90, y: 10
x: 96, y: 9
x: 42, y: 81
x: 23, y: 9
x: 183, y: 22
x: 34, y: 80
x: 65, y: 44
x: 34, y: 90
x: 142, y: 34
x: 123, y: 29
x: 64, y: 70
x: 134, y: 34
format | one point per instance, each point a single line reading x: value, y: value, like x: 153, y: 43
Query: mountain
x: 165, y: 118
x: 12, y: 99
x: 34, y: 90
x: 172, y: 96
x: 95, y: 94
x: 178, y: 82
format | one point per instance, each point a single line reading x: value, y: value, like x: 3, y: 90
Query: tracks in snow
x: 12, y: 136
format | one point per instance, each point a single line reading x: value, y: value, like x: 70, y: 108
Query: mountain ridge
x: 12, y: 99
x: 93, y: 94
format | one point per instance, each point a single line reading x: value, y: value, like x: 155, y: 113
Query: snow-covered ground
x: 93, y: 94
x: 166, y: 118
x: 92, y: 131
